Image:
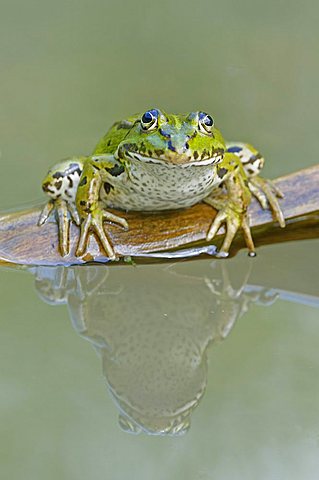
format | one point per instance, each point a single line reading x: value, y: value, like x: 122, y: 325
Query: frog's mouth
x: 174, y: 423
x: 172, y: 159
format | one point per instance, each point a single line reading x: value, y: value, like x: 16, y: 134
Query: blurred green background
x: 70, y: 68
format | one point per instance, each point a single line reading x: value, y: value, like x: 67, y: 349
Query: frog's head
x: 156, y: 137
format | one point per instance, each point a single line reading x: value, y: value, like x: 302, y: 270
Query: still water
x: 196, y: 370
x: 202, y: 369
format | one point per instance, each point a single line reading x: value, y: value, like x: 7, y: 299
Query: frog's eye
x: 149, y: 120
x: 205, y: 123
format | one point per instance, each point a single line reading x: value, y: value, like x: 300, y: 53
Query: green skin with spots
x: 154, y: 162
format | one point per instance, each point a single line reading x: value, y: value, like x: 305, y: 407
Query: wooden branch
x: 23, y: 242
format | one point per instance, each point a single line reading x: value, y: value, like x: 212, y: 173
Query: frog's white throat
x: 217, y: 158
x: 152, y: 184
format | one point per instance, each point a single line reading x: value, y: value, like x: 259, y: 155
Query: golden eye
x: 205, y: 123
x: 149, y: 120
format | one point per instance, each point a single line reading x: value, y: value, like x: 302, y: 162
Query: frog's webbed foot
x: 233, y: 218
x: 267, y: 194
x: 94, y: 222
x: 64, y: 212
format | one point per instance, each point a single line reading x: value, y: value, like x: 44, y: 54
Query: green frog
x: 157, y: 161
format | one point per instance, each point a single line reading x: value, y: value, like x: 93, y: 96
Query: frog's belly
x: 158, y: 188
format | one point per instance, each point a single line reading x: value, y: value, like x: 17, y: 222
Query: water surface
x: 189, y: 370
x: 228, y: 354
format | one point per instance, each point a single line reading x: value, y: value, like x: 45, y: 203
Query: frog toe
x: 74, y: 214
x: 45, y: 213
x: 115, y: 219
x: 233, y: 221
x: 259, y: 195
x: 276, y: 190
x: 232, y: 225
x: 267, y: 193
x: 64, y: 226
x: 64, y: 212
x: 215, y: 226
x: 94, y: 222
x: 62, y: 218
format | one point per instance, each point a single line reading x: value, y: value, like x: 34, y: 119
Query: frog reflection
x: 151, y: 327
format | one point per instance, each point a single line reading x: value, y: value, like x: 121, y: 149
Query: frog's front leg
x: 61, y: 184
x: 232, y: 204
x: 97, y: 171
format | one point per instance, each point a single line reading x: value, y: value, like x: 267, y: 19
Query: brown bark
x: 23, y: 242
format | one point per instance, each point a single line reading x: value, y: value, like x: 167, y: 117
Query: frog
x: 155, y: 161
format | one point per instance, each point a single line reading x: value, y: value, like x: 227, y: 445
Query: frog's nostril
x: 187, y: 145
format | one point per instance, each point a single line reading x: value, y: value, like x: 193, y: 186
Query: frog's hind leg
x: 264, y: 190
x: 61, y: 184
